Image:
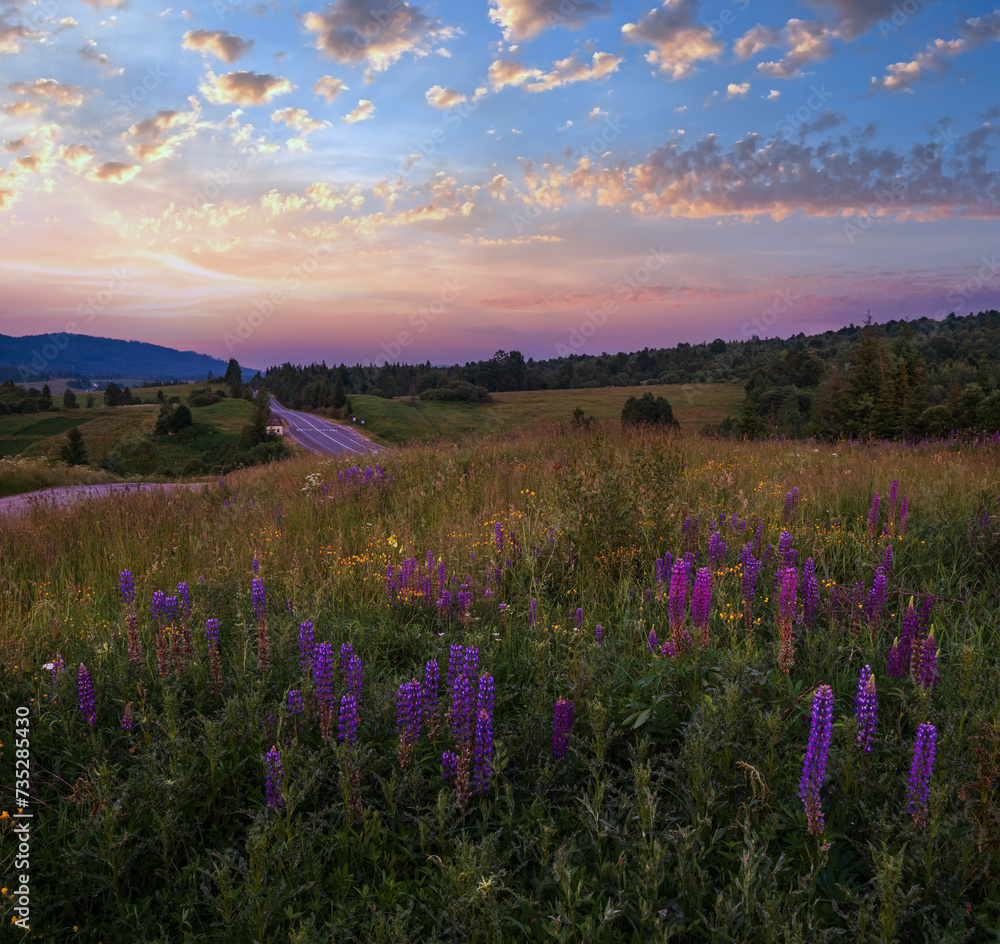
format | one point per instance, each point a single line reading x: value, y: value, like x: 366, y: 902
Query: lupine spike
x: 273, y: 780
x: 86, y: 692
x: 562, y: 722
x: 866, y: 709
x: 701, y: 606
x: 306, y: 644
x: 921, y: 769
x: 817, y: 753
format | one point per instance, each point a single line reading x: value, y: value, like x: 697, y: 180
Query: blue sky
x: 376, y: 179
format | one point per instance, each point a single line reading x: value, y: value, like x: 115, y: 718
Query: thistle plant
x: 866, y: 709
x: 786, y: 609
x: 562, y: 723
x: 817, y: 754
x: 921, y: 769
x: 88, y: 709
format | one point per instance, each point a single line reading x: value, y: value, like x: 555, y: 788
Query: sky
x: 373, y: 180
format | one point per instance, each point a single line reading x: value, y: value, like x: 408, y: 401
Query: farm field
x: 549, y: 686
x: 399, y: 420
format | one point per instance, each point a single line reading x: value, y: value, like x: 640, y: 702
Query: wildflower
x: 482, y: 757
x: 183, y: 598
x: 255, y: 565
x: 676, y: 605
x: 903, y: 508
x: 810, y: 593
x: 875, y: 604
x: 471, y: 662
x: 786, y: 607
x: 751, y: 567
x: 921, y: 768
x: 431, y: 686
x: 651, y: 642
x: 212, y: 645
x: 409, y: 718
x: 260, y: 612
x: 597, y: 633
x: 346, y: 652
x: 86, y: 693
x: 159, y: 605
x: 273, y: 775
x: 306, y: 644
x: 259, y: 597
x: 887, y: 559
x: 532, y: 612
x: 873, y: 518
x: 579, y: 618
x: 127, y: 724
x: 701, y: 605
x: 927, y: 672
x: 785, y: 549
x: 866, y: 709
x: 456, y: 657
x: 322, y: 673
x: 562, y: 722
x: 902, y: 648
x: 295, y: 703
x: 127, y: 587
x: 463, y: 726
x: 347, y: 720
x: 817, y: 753
x: 449, y: 765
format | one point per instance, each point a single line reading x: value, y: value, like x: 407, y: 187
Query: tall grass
x: 675, y: 814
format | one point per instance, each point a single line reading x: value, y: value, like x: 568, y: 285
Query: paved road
x: 322, y: 436
x: 50, y: 497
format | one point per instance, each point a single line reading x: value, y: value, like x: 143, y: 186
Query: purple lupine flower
x: 432, y: 685
x: 444, y: 604
x: 597, y: 633
x: 306, y: 644
x: 892, y: 496
x: 86, y: 692
x: 873, y: 517
x: 927, y: 672
x: 449, y: 765
x: 866, y: 709
x: 903, y: 508
x: 758, y: 536
x: 127, y: 723
x: 788, y: 505
x: 347, y: 721
x: 295, y: 703
x: 701, y: 605
x: 322, y: 673
x: 127, y: 587
x: 482, y: 759
x: 875, y: 604
x: 273, y: 777
x: 921, y: 768
x: 409, y: 718
x: 456, y: 659
x: 184, y: 598
x: 289, y: 607
x: 579, y: 618
x: 355, y: 675
x: 786, y: 554
x: 786, y: 607
x: 532, y: 610
x: 562, y: 722
x: 810, y: 593
x: 470, y: 662
x: 159, y: 604
x: 346, y: 653
x: 259, y: 598
x: 212, y: 647
x: 887, y: 559
x: 795, y: 498
x: 651, y: 639
x: 256, y: 563
x: 902, y: 651
x: 817, y: 752
x: 677, y: 603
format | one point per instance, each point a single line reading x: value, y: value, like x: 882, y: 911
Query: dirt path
x: 52, y: 497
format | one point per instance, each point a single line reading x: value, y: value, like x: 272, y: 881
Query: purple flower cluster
x: 449, y: 766
x: 921, y: 768
x: 701, y: 605
x: 127, y: 723
x: 903, y: 508
x: 255, y: 565
x: 927, y: 670
x: 786, y: 553
x: 817, y: 753
x: 651, y: 640
x: 677, y: 605
x: 810, y: 593
x: 159, y: 605
x: 875, y: 604
x: 127, y: 587
x: 259, y: 599
x: 322, y: 672
x: 579, y: 618
x: 273, y: 778
x: 562, y: 722
x: 873, y: 518
x: 598, y: 632
x: 866, y: 709
x: 789, y: 578
x: 902, y: 649
x: 532, y: 612
x: 184, y: 598
x: 409, y: 718
x: 355, y: 677
x: 482, y: 758
x: 306, y: 646
x: 887, y: 560
x: 86, y: 692
x: 295, y: 703
x: 212, y: 645
x: 717, y: 550
x: 432, y: 685
x: 347, y: 720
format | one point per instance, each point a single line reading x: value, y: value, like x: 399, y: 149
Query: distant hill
x: 44, y: 356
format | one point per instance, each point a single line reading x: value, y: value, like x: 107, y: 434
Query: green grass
x: 675, y: 813
x: 401, y: 420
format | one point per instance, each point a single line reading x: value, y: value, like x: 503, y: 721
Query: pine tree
x: 69, y: 400
x: 74, y: 453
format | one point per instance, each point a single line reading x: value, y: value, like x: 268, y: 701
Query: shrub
x: 648, y: 411
x: 458, y: 390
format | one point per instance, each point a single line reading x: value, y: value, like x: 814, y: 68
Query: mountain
x: 42, y: 356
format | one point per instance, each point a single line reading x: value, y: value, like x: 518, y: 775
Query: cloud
x: 13, y: 35
x: 219, y: 43
x: 76, y: 155
x: 100, y: 4
x: 595, y: 113
x: 14, y: 145
x: 737, y: 91
x: 754, y: 40
x: 153, y: 141
x: 298, y: 119
x: 937, y: 55
x: 364, y: 111
x: 65, y: 96
x: 329, y: 87
x: 854, y: 17
x: 88, y: 53
x: 807, y: 41
x: 21, y: 108
x: 569, y: 70
x: 243, y: 88
x: 444, y: 98
x: 374, y: 32
x: 772, y: 95
x: 505, y: 72
x: 524, y: 19
x: 114, y: 172
x: 678, y: 40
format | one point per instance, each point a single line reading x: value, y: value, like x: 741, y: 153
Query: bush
x: 936, y: 421
x: 458, y: 390
x: 648, y: 411
x: 134, y: 456
x: 193, y: 466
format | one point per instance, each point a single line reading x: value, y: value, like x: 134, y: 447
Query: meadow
x: 571, y: 685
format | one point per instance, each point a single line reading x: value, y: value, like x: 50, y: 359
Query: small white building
x: 276, y: 425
